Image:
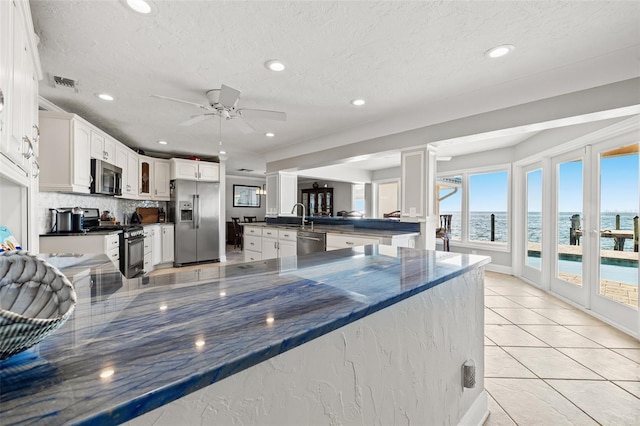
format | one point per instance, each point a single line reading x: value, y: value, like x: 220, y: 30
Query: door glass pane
x: 570, y: 222
x: 450, y: 202
x: 387, y: 198
x: 534, y: 219
x: 488, y: 206
x: 618, y: 220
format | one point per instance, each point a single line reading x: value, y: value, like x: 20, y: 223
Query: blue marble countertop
x: 135, y: 345
x: 337, y: 229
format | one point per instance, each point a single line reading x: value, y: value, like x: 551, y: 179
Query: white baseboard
x: 478, y: 412
x: 501, y: 269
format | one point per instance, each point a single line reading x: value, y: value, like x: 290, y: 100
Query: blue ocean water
x: 480, y: 227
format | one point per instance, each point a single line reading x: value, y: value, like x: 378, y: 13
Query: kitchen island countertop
x: 134, y: 345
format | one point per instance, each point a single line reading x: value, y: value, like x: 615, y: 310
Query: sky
x: 619, y: 188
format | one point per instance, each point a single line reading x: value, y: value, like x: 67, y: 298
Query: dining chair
x: 249, y: 219
x: 237, y: 233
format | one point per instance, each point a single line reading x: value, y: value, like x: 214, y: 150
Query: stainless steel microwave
x: 106, y: 178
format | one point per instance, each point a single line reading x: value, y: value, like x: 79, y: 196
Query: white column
x: 418, y: 193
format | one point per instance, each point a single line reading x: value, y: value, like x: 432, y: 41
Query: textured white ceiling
x: 406, y: 58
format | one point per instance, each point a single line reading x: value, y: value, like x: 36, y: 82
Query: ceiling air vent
x: 245, y: 170
x: 64, y: 83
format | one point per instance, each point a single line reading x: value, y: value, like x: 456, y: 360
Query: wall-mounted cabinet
x: 145, y: 175
x: 19, y: 74
x: 161, y: 173
x: 282, y: 193
x: 194, y: 170
x: 127, y: 160
x: 65, y: 153
x: 103, y: 147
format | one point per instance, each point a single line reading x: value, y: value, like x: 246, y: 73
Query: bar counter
x: 134, y: 346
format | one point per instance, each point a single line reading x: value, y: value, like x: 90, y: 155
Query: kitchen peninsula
x: 368, y: 336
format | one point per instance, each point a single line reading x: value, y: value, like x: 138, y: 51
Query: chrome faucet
x: 294, y: 209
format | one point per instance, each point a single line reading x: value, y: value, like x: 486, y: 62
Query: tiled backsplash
x: 116, y: 206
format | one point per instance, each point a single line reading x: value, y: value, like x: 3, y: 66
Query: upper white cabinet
x: 282, y: 193
x: 65, y: 153
x: 194, y: 170
x: 161, y: 179
x: 103, y: 147
x: 127, y: 160
x: 19, y: 74
x: 154, y: 178
x: 145, y: 174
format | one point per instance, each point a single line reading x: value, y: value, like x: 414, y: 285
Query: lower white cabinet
x: 149, y: 243
x: 106, y: 244
x: 167, y: 236
x: 268, y: 243
x: 339, y: 241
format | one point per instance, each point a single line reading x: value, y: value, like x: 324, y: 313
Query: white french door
x: 533, y: 220
x: 567, y: 221
x: 613, y: 262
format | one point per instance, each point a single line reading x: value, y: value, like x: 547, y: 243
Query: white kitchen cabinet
x: 338, y: 241
x: 145, y: 176
x: 194, y: 170
x: 261, y: 243
x: 287, y: 243
x: 127, y: 160
x: 156, y: 242
x: 65, y: 159
x: 167, y: 243
x: 161, y: 172
x: 282, y: 193
x: 88, y: 243
x: 252, y: 242
x: 19, y: 74
x: 103, y: 146
x: 269, y: 243
x: 149, y: 235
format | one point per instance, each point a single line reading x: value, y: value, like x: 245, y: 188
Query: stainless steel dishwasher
x: 311, y: 242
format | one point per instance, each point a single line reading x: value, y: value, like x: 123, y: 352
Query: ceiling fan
x: 222, y: 103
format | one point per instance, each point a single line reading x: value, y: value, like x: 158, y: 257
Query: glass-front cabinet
x: 318, y: 201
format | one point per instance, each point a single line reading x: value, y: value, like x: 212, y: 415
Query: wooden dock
x: 577, y: 252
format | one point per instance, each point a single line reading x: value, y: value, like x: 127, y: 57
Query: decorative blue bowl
x: 35, y: 299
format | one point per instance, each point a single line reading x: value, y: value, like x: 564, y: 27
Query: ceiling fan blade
x: 180, y: 100
x: 242, y: 125
x: 196, y: 119
x: 229, y: 96
x: 261, y: 113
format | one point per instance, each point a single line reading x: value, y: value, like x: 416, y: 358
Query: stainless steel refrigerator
x: 195, y: 210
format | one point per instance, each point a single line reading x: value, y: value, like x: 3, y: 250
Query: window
x: 387, y: 198
x: 450, y: 202
x: 358, y: 198
x: 488, y: 206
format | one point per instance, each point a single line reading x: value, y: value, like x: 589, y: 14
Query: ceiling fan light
x: 274, y: 65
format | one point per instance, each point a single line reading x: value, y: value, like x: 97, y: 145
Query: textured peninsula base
x: 401, y: 365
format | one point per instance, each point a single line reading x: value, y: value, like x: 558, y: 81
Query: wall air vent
x: 245, y: 170
x: 63, y: 83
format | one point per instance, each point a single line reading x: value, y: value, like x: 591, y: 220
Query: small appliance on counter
x: 162, y: 217
x: 67, y: 220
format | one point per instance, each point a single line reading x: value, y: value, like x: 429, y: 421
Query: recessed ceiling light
x: 357, y: 102
x: 139, y: 6
x: 269, y: 134
x: 274, y: 65
x: 222, y: 152
x: 163, y: 142
x: 105, y: 96
x: 499, y: 51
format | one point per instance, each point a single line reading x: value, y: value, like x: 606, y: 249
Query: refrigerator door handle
x: 195, y: 212
x: 199, y: 215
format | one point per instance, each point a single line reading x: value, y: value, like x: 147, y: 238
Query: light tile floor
x: 547, y: 363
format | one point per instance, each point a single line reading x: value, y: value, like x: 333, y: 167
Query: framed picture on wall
x: 246, y: 196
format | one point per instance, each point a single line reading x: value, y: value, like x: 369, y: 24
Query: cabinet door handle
x: 36, y: 138
x: 350, y: 243
x: 37, y: 173
x: 29, y: 151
